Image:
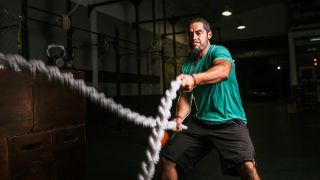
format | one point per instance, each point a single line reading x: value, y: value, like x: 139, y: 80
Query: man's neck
x: 201, y: 53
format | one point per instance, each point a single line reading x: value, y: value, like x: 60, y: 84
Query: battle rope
x: 158, y: 124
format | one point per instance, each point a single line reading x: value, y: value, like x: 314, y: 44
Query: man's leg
x: 169, y: 171
x: 183, y: 151
x: 248, y: 171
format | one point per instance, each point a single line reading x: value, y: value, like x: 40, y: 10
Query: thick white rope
x: 158, y: 124
x: 154, y: 146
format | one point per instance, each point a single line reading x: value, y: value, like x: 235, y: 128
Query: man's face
x: 198, y: 37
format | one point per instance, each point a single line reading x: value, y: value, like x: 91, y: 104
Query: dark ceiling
x: 212, y: 8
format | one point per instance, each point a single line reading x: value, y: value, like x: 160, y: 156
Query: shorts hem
x: 179, y: 166
x: 232, y: 170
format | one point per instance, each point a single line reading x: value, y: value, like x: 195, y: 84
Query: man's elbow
x: 225, y: 71
x: 224, y: 76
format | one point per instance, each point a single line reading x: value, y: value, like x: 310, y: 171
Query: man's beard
x: 196, y: 51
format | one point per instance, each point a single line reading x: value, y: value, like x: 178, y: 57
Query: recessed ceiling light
x: 226, y: 13
x: 241, y: 27
x: 315, y: 39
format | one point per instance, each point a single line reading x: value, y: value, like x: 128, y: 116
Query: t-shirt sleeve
x: 222, y: 53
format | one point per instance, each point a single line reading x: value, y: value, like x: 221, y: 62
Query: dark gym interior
x: 131, y: 50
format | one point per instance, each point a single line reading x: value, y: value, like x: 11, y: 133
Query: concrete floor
x: 287, y: 147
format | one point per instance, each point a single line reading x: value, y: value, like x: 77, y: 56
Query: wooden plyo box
x: 31, y: 156
x: 4, y: 160
x: 69, y: 152
x: 56, y: 106
x: 42, y: 131
x: 16, y: 103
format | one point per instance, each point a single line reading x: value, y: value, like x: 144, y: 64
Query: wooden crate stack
x: 42, y: 128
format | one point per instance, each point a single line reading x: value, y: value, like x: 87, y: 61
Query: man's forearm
x: 215, y: 74
x: 183, y: 106
x: 183, y: 111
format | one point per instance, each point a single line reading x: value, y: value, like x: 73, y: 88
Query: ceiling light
x: 315, y: 39
x: 241, y: 27
x: 226, y: 13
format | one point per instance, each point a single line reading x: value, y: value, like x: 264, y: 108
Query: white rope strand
x: 153, y: 150
x: 158, y: 124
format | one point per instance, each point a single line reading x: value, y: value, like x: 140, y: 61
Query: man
x: 208, y: 77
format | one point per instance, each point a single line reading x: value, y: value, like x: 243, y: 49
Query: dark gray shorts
x: 231, y: 140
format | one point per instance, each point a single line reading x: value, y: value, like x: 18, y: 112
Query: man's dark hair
x: 205, y: 23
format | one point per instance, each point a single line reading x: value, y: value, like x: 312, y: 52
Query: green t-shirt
x: 219, y: 102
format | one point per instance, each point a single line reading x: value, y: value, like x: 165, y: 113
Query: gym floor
x: 287, y: 146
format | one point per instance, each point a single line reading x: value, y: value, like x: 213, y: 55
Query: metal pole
x: 173, y: 23
x: 94, y: 50
x: 43, y: 22
x: 95, y: 32
x: 164, y: 16
x: 153, y: 20
x: 118, y: 57
x: 163, y: 70
x: 162, y: 47
x: 44, y: 11
x: 292, y: 65
x: 136, y: 5
x: 25, y: 33
x: 69, y: 33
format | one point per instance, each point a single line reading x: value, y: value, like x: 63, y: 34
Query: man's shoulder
x: 218, y: 48
x: 220, y: 52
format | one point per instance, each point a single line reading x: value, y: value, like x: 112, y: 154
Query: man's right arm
x: 183, y: 108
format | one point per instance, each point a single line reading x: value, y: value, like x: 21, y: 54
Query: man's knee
x: 248, y: 169
x: 169, y: 171
x: 248, y: 165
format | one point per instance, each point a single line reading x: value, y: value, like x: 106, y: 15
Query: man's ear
x: 210, y: 35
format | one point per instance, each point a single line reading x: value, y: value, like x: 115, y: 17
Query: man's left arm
x: 217, y: 73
